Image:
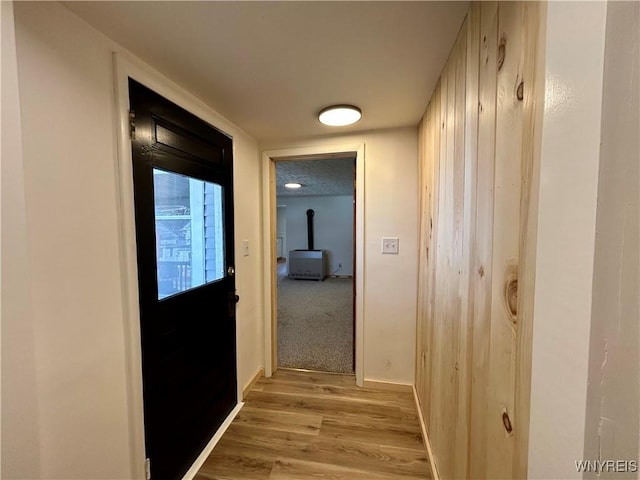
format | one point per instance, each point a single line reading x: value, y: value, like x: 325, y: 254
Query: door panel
x: 182, y: 169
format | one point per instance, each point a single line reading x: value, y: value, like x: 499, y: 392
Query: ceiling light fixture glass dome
x: 339, y: 115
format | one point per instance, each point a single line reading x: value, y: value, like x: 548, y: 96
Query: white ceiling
x: 326, y: 176
x: 269, y: 67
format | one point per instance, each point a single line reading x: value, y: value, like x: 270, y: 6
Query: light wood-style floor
x: 298, y: 425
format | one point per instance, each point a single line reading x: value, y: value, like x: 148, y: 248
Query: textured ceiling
x: 332, y: 176
x: 270, y: 67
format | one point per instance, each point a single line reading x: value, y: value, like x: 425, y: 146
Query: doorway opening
x: 315, y: 260
x: 275, y: 243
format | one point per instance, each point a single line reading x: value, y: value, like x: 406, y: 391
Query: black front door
x: 183, y: 192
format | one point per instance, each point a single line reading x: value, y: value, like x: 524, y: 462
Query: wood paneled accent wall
x: 479, y: 143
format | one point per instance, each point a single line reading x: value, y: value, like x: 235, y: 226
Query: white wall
x: 20, y: 423
x: 613, y: 397
x: 390, y: 281
x: 569, y: 165
x: 332, y: 223
x: 72, y: 269
x: 72, y: 245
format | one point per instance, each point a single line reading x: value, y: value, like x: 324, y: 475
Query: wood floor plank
x: 289, y: 469
x: 220, y: 466
x: 370, y: 457
x: 313, y: 425
x: 362, y: 395
x: 370, y: 434
x: 323, y: 385
x: 280, y: 420
x: 261, y: 445
x: 284, y: 375
x: 337, y: 405
x: 414, y: 461
x: 254, y: 435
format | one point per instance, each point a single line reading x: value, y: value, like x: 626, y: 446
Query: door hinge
x: 132, y: 124
x: 147, y: 468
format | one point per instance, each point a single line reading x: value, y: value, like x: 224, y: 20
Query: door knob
x: 231, y: 271
x: 236, y: 298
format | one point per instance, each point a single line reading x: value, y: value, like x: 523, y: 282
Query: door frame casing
x: 125, y: 68
x: 269, y: 158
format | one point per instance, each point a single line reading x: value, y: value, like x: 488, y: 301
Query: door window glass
x: 189, y: 232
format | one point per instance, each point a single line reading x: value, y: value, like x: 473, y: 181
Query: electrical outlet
x: 245, y: 248
x: 390, y: 245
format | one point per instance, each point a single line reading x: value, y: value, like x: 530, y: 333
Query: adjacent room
x: 315, y: 257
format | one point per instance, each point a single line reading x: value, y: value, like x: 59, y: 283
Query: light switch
x: 390, y: 245
x: 245, y: 248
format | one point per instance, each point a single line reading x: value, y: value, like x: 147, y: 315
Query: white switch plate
x: 390, y: 245
x: 245, y: 248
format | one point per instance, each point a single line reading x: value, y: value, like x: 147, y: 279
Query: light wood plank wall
x: 479, y: 141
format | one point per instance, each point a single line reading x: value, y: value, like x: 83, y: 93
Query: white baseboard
x: 249, y: 385
x: 386, y: 385
x: 212, y: 443
x: 427, y: 444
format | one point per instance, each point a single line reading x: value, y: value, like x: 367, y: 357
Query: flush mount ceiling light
x: 292, y: 185
x: 339, y: 115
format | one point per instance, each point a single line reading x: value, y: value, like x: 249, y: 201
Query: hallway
x: 307, y: 424
x: 497, y: 144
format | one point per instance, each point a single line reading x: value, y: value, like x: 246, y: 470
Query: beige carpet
x: 315, y: 324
